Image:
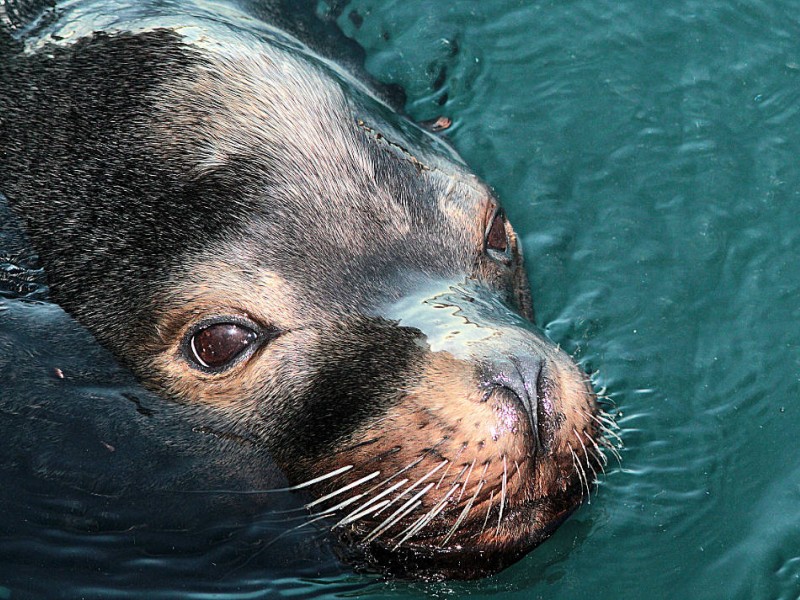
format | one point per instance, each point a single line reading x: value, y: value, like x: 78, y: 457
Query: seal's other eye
x: 497, y: 237
x: 217, y: 346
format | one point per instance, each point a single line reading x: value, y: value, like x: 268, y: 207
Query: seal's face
x: 335, y: 283
x: 367, y: 317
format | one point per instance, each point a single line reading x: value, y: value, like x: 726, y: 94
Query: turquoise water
x: 647, y: 155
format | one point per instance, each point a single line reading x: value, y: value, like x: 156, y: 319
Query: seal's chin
x: 481, y: 549
x: 471, y: 520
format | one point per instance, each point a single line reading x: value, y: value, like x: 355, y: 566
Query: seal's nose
x: 522, y: 376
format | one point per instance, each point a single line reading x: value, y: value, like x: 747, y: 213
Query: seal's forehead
x: 317, y: 167
x: 246, y: 96
x: 217, y: 30
x: 205, y: 24
x: 252, y: 87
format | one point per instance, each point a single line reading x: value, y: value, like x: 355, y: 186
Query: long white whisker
x: 403, y: 470
x: 361, y: 513
x: 598, y: 454
x: 488, y: 510
x: 452, y: 462
x: 463, y: 514
x: 311, y: 482
x: 585, y: 453
x: 329, y: 511
x: 611, y: 448
x: 585, y: 478
x: 349, y: 486
x: 358, y: 513
x: 464, y: 487
x: 414, y: 485
x: 426, y: 518
x: 608, y: 419
x: 399, y: 513
x: 460, y: 473
x: 319, y: 516
x: 577, y: 470
x: 502, y: 494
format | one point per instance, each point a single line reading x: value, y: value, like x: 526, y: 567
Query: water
x: 647, y: 155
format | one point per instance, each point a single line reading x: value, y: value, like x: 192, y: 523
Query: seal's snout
x: 520, y: 377
x: 482, y: 452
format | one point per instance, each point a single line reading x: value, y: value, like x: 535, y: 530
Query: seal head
x: 250, y: 230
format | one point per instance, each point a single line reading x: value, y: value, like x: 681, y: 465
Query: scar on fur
x: 378, y: 136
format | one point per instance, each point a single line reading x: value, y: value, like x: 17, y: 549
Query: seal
x: 292, y: 266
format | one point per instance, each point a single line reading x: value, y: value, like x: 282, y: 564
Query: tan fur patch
x: 214, y: 289
x: 475, y: 449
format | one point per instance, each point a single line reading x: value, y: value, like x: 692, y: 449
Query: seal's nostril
x: 519, y: 378
x: 529, y: 370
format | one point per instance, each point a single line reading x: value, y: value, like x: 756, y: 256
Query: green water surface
x: 649, y: 155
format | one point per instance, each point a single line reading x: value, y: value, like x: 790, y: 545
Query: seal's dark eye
x: 217, y: 345
x: 496, y: 236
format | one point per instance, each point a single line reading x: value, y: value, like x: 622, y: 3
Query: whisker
x: 341, y: 505
x: 293, y: 488
x: 598, y: 454
x: 311, y: 482
x: 426, y: 518
x: 363, y: 512
x: 585, y: 480
x: 415, y: 484
x: 406, y: 468
x: 460, y: 473
x: 604, y: 418
x: 502, y: 494
x: 606, y: 399
x: 488, y: 511
x: 609, y: 433
x: 452, y: 462
x: 585, y: 453
x: 401, y: 512
x: 463, y: 514
x: 611, y: 448
x: 316, y: 517
x: 578, y: 470
x: 608, y: 420
x: 464, y: 487
x: 354, y: 517
x: 400, y: 472
x: 349, y: 486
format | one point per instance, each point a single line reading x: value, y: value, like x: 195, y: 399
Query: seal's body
x: 296, y: 269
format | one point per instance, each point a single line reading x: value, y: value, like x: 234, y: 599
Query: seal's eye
x: 219, y: 344
x: 497, y: 237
